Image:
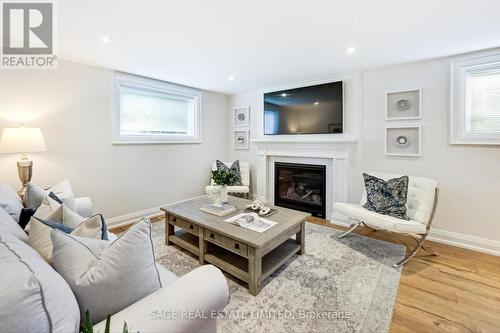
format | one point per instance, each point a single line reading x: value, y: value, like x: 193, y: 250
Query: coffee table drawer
x: 183, y: 224
x: 226, y: 242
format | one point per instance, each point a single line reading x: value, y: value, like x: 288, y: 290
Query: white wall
x: 352, y: 125
x: 468, y: 176
x: 72, y: 105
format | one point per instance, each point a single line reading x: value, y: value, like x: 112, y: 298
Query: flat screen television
x: 308, y: 110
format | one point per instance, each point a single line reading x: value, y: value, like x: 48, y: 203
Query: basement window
x: 148, y: 111
x: 475, y: 101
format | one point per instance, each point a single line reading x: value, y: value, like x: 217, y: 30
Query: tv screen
x: 309, y: 110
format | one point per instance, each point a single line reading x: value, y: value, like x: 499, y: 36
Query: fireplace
x: 301, y: 187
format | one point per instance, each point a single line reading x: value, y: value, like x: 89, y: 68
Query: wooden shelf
x: 228, y: 261
x: 277, y: 257
x: 186, y: 241
x: 238, y: 266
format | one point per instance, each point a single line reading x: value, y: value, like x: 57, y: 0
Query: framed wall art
x: 403, y: 141
x: 241, y: 117
x: 241, y: 139
x: 404, y: 105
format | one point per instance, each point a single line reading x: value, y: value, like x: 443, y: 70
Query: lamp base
x: 25, y: 171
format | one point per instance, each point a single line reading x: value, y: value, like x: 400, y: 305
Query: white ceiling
x: 201, y: 43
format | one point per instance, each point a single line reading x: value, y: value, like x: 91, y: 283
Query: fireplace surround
x: 301, y: 187
x: 336, y: 154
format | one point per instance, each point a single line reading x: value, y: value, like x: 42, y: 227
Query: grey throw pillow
x: 235, y: 169
x: 107, y: 277
x: 387, y: 197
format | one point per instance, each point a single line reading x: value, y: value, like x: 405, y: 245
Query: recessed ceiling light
x: 316, y: 103
x: 284, y: 95
x: 231, y: 78
x: 105, y: 39
x: 350, y: 50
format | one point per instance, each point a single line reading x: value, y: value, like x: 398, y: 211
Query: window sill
x: 145, y: 141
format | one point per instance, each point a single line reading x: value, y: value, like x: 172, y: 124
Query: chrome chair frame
x: 420, y: 241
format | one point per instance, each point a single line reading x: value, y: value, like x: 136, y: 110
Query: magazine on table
x: 251, y: 221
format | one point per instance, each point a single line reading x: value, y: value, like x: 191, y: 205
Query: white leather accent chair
x: 420, y: 207
x: 245, y: 179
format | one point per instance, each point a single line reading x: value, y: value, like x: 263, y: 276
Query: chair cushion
x: 33, y: 297
x: 386, y: 222
x: 420, y: 198
x: 107, y: 277
x: 231, y: 189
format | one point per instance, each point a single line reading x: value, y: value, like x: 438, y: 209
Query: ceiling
x: 201, y: 43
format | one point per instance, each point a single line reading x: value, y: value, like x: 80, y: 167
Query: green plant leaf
x: 87, y: 325
x: 125, y: 328
x: 108, y: 324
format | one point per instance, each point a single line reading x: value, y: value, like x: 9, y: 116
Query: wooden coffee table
x: 248, y: 255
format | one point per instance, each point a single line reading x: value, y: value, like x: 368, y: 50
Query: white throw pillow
x: 109, y: 277
x: 35, y: 195
x: 63, y: 219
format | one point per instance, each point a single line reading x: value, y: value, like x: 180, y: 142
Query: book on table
x: 251, y: 221
x: 222, y: 210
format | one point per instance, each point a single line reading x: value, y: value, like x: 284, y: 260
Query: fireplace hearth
x: 301, y: 187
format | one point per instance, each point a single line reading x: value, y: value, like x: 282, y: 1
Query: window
x: 150, y: 111
x: 475, y: 101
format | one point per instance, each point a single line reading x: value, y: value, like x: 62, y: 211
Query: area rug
x: 345, y: 285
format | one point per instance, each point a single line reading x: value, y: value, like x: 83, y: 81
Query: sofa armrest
x: 84, y: 206
x: 190, y: 304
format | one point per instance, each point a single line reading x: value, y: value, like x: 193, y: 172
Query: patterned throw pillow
x: 386, y: 197
x: 235, y: 169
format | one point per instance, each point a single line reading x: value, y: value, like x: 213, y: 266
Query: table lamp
x: 22, y: 140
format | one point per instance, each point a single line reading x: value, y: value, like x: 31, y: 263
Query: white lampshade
x: 22, y: 140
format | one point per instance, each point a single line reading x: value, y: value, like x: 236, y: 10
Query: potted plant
x: 222, y: 180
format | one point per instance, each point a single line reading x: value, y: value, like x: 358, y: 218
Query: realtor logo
x: 28, y: 35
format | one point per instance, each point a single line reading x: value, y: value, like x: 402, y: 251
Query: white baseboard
x: 437, y: 235
x: 465, y: 241
x: 340, y: 220
x: 446, y: 237
x: 124, y: 220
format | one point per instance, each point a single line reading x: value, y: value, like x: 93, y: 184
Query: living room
x: 125, y: 132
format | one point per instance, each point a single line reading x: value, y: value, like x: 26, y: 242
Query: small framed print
x: 404, y: 105
x: 241, y: 117
x: 403, y: 141
x: 241, y: 139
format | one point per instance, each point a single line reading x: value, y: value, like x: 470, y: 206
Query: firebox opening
x: 301, y: 187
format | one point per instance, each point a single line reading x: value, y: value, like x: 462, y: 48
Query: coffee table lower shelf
x: 233, y: 263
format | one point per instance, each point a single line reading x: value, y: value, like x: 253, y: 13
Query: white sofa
x: 34, y: 297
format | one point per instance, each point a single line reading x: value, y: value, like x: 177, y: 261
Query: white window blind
x: 475, y: 100
x: 151, y: 111
x: 484, y: 103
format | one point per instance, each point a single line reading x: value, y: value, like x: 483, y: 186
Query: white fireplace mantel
x: 333, y: 153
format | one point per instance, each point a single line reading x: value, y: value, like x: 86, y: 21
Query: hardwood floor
x: 456, y: 291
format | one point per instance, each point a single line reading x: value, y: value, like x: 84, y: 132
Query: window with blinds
x: 484, y: 108
x: 151, y: 111
x: 475, y: 100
